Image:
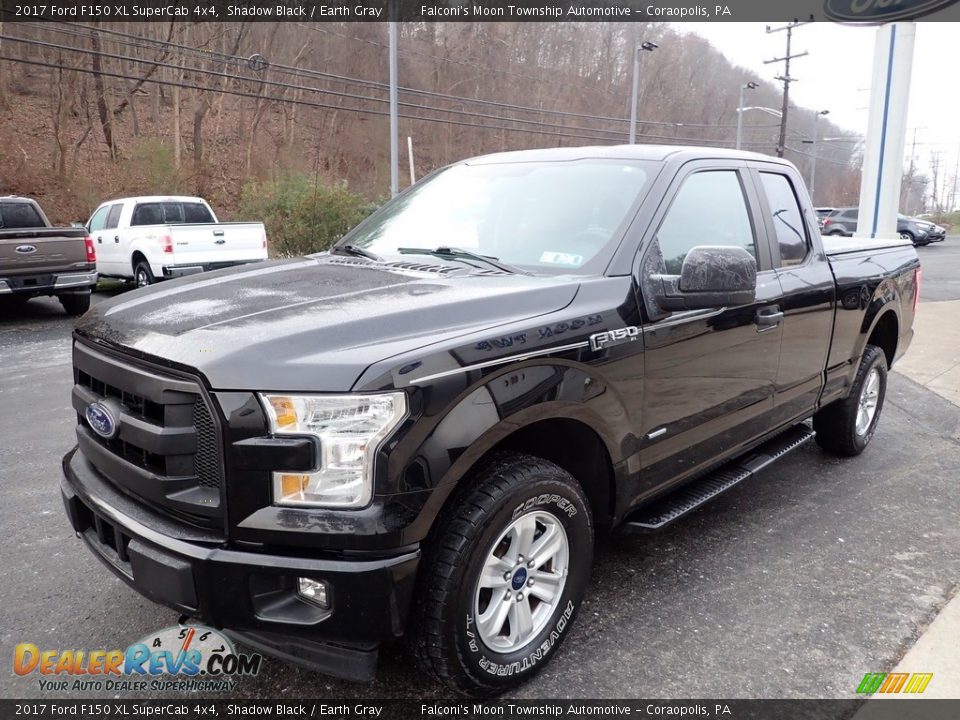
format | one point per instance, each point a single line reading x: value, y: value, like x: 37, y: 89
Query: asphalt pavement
x: 794, y: 584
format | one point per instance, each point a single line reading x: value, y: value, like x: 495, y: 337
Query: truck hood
x: 311, y: 324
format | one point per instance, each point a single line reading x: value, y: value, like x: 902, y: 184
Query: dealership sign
x: 880, y: 11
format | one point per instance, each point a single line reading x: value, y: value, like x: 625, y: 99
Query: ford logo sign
x: 101, y: 420
x: 881, y: 11
x: 25, y: 249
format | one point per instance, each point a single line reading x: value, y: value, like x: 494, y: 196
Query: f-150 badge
x: 608, y: 338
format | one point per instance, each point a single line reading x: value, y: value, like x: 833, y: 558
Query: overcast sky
x: 836, y: 75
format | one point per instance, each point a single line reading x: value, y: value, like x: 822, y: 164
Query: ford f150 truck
x: 39, y: 259
x: 419, y: 433
x: 145, y: 239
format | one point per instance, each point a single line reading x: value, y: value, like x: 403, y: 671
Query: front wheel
x: 845, y: 427
x: 504, y: 577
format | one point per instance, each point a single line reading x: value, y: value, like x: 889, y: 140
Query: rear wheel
x: 76, y: 304
x: 142, y: 275
x: 505, y: 576
x: 845, y: 427
x: 836, y: 232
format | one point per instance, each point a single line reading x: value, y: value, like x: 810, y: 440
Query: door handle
x: 99, y: 239
x: 218, y: 233
x: 221, y: 241
x: 768, y: 318
x: 116, y: 238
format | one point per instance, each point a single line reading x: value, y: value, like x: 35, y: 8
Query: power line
x: 606, y: 134
x: 307, y: 72
x: 327, y: 106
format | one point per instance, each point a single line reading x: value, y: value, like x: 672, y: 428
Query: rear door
x: 709, y: 374
x: 807, y: 286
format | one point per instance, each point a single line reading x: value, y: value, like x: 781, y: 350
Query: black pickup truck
x: 419, y: 433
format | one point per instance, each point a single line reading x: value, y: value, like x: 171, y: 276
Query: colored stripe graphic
x: 918, y: 682
x: 894, y: 683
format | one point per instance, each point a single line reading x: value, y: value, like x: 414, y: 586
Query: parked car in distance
x: 145, y: 239
x: 403, y: 437
x: 843, y: 221
x: 822, y: 213
x: 39, y: 259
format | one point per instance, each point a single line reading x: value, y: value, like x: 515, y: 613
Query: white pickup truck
x: 146, y: 239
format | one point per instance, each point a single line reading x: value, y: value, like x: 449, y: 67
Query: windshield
x: 552, y: 217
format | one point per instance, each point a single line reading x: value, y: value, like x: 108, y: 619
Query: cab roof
x: 658, y: 153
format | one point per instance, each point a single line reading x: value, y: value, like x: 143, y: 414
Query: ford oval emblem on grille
x: 25, y: 249
x: 880, y: 11
x: 101, y: 420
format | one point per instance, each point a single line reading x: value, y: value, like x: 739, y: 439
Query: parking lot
x: 794, y: 584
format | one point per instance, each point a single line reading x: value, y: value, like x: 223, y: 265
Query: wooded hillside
x: 90, y: 112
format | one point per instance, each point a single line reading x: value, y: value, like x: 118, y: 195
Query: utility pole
x: 908, y: 197
x: 394, y: 124
x: 649, y: 47
x: 813, y: 153
x: 953, y: 195
x: 749, y: 86
x: 785, y: 78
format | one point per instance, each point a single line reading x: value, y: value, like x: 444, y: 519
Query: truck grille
x: 161, y: 444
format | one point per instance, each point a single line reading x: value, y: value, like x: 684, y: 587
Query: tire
x: 841, y: 427
x: 76, y: 304
x: 836, y: 232
x: 142, y: 274
x: 450, y: 639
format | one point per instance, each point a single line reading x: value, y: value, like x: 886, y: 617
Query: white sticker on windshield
x: 558, y: 258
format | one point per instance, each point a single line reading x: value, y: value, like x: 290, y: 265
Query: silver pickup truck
x: 39, y: 259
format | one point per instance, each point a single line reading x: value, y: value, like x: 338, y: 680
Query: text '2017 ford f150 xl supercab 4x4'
x: 419, y: 433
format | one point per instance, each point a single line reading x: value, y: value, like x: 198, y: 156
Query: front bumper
x: 248, y: 593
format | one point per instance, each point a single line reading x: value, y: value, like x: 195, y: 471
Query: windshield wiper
x: 356, y: 251
x: 459, y: 253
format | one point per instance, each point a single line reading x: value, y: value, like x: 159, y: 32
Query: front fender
x: 450, y: 440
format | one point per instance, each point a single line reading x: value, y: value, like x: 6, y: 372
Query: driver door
x: 709, y: 374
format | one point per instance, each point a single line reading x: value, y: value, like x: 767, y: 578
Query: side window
x: 98, y: 219
x: 147, y: 214
x: 113, y: 217
x: 787, y: 218
x: 709, y: 209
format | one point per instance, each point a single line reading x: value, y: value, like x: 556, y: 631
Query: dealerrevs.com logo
x: 178, y: 658
x: 879, y: 11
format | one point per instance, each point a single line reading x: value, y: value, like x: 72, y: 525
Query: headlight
x: 349, y: 429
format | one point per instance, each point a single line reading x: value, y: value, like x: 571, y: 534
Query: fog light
x: 314, y: 591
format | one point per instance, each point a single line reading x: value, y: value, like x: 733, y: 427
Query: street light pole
x: 749, y: 86
x: 813, y: 154
x: 394, y: 124
x: 649, y: 47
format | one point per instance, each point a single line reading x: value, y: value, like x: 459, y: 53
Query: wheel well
x: 576, y: 448
x: 137, y: 257
x: 884, y: 336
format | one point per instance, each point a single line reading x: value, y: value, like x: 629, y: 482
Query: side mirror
x: 711, y: 276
